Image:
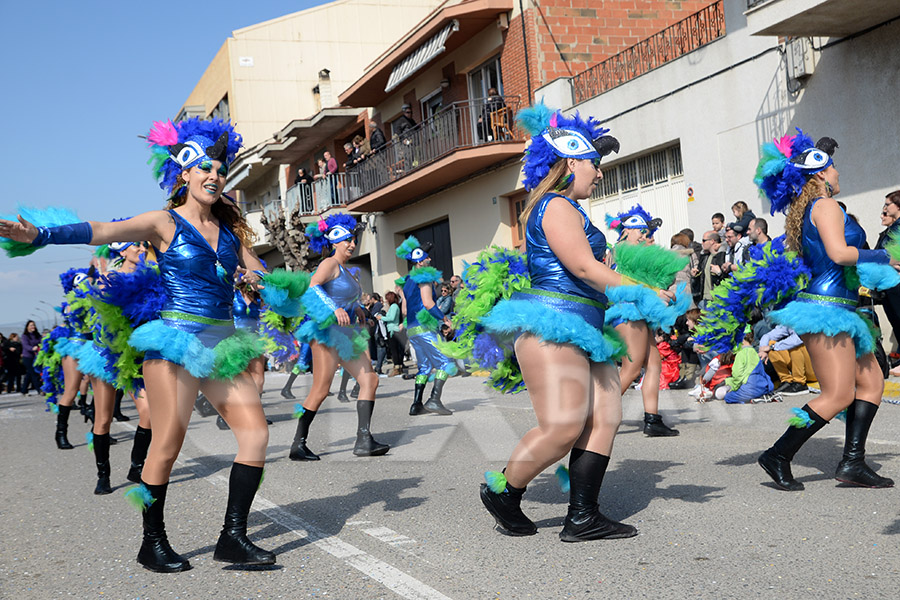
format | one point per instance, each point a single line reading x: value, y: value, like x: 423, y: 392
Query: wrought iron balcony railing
x: 675, y: 41
x: 458, y: 126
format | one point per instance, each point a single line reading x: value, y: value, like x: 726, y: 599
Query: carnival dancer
x: 566, y: 357
x: 112, y: 365
x: 130, y: 295
x: 68, y: 341
x: 200, y: 241
x: 423, y: 320
x: 636, y: 326
x: 800, y: 179
x: 336, y: 334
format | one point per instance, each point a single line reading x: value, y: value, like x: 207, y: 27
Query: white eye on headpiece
x: 812, y: 161
x: 189, y: 154
x: 635, y: 222
x: 78, y: 279
x: 570, y: 144
x: 119, y: 246
x: 338, y: 233
x: 418, y: 255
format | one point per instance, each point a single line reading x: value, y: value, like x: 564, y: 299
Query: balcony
x: 687, y: 35
x: 464, y: 138
x: 817, y: 18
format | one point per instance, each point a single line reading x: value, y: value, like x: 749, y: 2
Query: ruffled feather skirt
x: 819, y: 315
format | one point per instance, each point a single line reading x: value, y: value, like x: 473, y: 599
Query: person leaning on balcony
x: 303, y: 177
x: 362, y: 147
x: 566, y: 361
x: 405, y: 121
x: 376, y: 138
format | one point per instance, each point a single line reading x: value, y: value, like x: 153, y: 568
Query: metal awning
x: 421, y: 56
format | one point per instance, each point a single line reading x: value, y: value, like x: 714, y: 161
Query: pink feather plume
x: 553, y: 119
x: 323, y: 226
x: 163, y: 134
x: 784, y: 144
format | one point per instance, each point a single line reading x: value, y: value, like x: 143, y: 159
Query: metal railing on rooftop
x: 698, y: 29
x: 755, y: 3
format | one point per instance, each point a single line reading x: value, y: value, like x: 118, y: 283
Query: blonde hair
x: 547, y: 184
x: 793, y: 223
x: 222, y: 210
x: 742, y: 206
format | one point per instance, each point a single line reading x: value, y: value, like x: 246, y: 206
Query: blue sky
x: 81, y: 80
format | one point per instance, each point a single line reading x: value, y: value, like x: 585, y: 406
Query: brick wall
x: 512, y: 59
x: 573, y: 35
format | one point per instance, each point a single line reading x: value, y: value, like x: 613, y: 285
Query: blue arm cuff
x: 435, y: 312
x: 879, y: 257
x: 76, y: 233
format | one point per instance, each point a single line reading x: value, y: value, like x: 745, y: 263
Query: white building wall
x: 723, y: 101
x: 476, y: 222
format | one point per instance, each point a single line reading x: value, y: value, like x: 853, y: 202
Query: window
x: 485, y: 77
x: 645, y: 171
x: 221, y: 110
x: 432, y: 104
x: 516, y: 207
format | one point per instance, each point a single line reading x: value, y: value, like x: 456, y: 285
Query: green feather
x: 235, y: 352
x: 427, y: 320
x: 16, y: 249
x: 652, y: 265
x: 295, y: 282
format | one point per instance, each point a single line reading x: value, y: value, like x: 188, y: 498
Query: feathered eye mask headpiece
x: 72, y: 278
x: 787, y: 163
x: 331, y: 230
x: 412, y: 250
x: 635, y: 217
x: 180, y: 146
x: 555, y: 136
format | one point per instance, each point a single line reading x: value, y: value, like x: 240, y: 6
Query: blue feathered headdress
x: 334, y: 228
x: 412, y: 250
x: 71, y: 278
x: 785, y: 165
x: 180, y: 146
x: 555, y: 136
x: 635, y: 217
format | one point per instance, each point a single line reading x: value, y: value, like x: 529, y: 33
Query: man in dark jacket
x: 712, y: 258
x: 376, y: 137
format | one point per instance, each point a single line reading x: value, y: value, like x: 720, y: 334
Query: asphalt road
x: 410, y: 525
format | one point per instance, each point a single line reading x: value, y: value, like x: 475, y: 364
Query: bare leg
x: 834, y: 361
x: 637, y: 339
x: 143, y: 408
x: 325, y: 362
x: 171, y: 392
x: 238, y: 403
x: 257, y: 370
x: 104, y: 402
x: 558, y: 377
x: 71, y: 381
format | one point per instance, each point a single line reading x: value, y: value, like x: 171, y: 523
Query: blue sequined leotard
x: 559, y: 307
x: 827, y: 283
x: 199, y: 289
x: 345, y: 291
x: 827, y: 305
x: 246, y: 316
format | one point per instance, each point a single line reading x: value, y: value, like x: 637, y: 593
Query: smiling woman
x: 202, y: 242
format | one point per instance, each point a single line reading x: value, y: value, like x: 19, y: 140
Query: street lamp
x: 52, y: 310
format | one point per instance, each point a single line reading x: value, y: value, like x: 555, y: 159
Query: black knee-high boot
x: 101, y: 455
x: 156, y: 554
x: 233, y: 545
x: 365, y: 443
x: 142, y: 439
x: 299, y: 451
x: 853, y: 468
x: 584, y: 521
x: 117, y: 409
x: 62, y: 428
x: 342, y: 391
x: 434, y: 401
x: 417, y: 408
x: 286, y: 390
x: 776, y: 461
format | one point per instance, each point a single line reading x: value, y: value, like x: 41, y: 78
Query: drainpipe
x: 525, y: 46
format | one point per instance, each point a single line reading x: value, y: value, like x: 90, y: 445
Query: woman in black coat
x: 12, y: 362
x: 31, y: 344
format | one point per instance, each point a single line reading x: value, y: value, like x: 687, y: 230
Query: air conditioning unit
x: 800, y: 63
